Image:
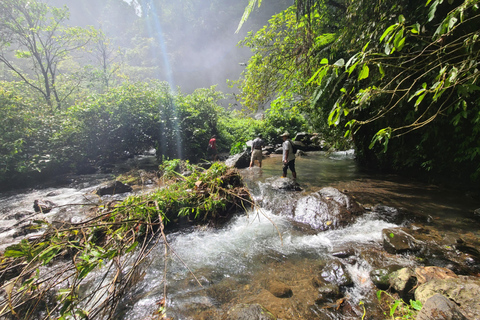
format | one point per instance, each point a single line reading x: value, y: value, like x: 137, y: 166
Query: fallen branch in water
x: 43, y: 277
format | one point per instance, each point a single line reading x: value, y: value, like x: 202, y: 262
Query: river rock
x: 426, y: 274
x: 286, y: 184
x: 300, y: 146
x: 112, y: 188
x: 240, y: 160
x: 303, y: 137
x: 389, y: 214
x: 223, y: 291
x: 336, y: 273
x: 326, y: 209
x: 381, y: 277
x: 438, y: 307
x: 249, y: 312
x: 403, y: 281
x: 327, y: 292
x: 268, y: 149
x: 279, y: 201
x: 43, y: 206
x: 379, y: 258
x: 279, y: 289
x: 398, y: 240
x: 463, y: 291
x: 343, y: 199
x: 311, y: 142
x: 470, y: 255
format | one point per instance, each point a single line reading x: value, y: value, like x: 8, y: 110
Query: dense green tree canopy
x: 396, y: 73
x: 35, y: 32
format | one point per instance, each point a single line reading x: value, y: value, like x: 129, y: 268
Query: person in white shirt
x: 288, y: 157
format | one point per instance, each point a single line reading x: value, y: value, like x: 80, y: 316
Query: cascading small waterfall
x: 265, y: 256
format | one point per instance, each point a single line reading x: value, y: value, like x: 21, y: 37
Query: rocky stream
x: 320, y: 247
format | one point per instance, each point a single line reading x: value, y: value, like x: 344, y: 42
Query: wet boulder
x: 381, y: 277
x: 336, y: 273
x: 267, y: 150
x: 379, y: 258
x: 467, y: 257
x: 43, y: 206
x: 341, y: 198
x: 327, y: 292
x: 399, y: 240
x: 326, y: 209
x: 438, y: 307
x: 286, y: 184
x: 463, y: 291
x: 249, y: 312
x: 301, y: 153
x: 115, y: 187
x: 276, y: 194
x: 240, y: 160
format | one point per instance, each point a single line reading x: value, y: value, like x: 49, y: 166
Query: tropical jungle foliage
x: 398, y: 77
x: 399, y: 80
x: 72, y: 99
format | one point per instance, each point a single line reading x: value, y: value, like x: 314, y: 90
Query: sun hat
x: 285, y: 134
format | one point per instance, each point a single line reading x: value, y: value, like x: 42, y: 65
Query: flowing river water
x: 210, y: 270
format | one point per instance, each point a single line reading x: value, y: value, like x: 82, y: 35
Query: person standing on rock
x: 257, y: 146
x: 288, y: 157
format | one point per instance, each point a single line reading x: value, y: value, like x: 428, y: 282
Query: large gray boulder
x: 327, y: 209
x: 240, y: 160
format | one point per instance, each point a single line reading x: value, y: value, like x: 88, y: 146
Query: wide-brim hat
x: 285, y: 134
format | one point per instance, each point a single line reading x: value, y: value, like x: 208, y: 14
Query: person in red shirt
x: 212, y: 147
